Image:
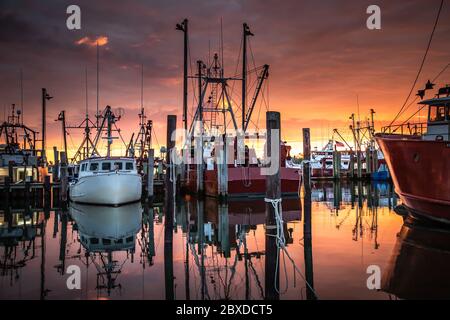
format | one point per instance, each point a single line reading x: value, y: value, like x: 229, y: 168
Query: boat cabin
x: 438, y: 123
x: 107, y: 165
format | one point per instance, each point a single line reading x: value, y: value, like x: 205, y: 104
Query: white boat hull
x: 107, y: 189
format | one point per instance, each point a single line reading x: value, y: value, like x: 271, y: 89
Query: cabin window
x: 83, y: 167
x: 118, y: 166
x: 106, y: 241
x: 106, y: 166
x: 94, y: 240
x: 437, y: 113
x: 93, y: 166
x: 129, y: 166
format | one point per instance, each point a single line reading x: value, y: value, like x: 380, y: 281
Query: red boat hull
x: 420, y: 171
x: 246, y: 181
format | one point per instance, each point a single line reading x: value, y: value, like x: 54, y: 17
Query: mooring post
x: 307, y: 228
x: 336, y: 164
x: 351, y: 165
x: 150, y: 172
x: 11, y: 171
x: 7, y: 191
x: 47, y: 192
x: 273, y: 193
x: 170, y: 169
x: 222, y: 166
x: 64, y: 177
x: 55, y: 168
x: 368, y: 160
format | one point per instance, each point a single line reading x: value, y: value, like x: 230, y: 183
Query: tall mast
x: 109, y: 127
x: 183, y: 26
x: 200, y: 102
x: 86, y: 129
x: 21, y: 93
x: 98, y: 85
x: 246, y: 32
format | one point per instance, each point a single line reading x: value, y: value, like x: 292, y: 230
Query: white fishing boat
x: 109, y: 180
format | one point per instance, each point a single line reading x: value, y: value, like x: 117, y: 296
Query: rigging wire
x: 421, y: 65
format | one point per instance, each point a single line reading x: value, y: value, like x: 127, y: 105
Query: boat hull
x: 420, y: 171
x: 107, y: 189
x: 248, y: 181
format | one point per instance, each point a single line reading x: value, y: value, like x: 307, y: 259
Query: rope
x: 421, y: 65
x: 281, y: 243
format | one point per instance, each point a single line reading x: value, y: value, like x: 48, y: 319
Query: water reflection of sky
x: 127, y: 249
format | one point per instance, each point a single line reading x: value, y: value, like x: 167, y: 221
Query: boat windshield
x: 437, y: 113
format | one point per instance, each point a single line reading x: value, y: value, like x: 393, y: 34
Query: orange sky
x: 321, y: 57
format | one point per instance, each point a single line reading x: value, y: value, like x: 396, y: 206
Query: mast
x: 109, y: 128
x: 98, y: 85
x: 246, y: 32
x: 183, y: 26
x: 45, y: 97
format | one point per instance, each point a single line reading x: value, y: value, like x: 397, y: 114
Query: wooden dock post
x: 351, y: 165
x: 150, y: 172
x: 171, y: 127
x: 64, y: 177
x: 336, y: 164
x: 307, y: 221
x: 55, y: 168
x: 47, y: 193
x: 222, y: 165
x: 7, y: 191
x: 273, y: 192
x: 11, y: 171
x: 358, y: 164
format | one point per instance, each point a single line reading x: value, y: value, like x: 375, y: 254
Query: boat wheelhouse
x: 418, y: 158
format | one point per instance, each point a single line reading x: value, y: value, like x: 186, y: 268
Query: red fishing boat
x: 218, y: 150
x: 419, y: 160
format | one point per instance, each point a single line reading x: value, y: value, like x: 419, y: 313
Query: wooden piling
x: 64, y: 177
x: 307, y: 221
x: 47, y: 192
x: 273, y: 192
x: 171, y: 127
x: 222, y: 167
x: 150, y: 172
x: 55, y: 168
x: 336, y: 164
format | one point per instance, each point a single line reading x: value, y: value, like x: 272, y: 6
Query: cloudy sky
x: 321, y: 57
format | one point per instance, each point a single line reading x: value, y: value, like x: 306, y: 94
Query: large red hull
x: 420, y: 171
x: 246, y: 181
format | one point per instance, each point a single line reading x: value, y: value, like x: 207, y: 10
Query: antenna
x: 221, y: 46
x: 142, y: 87
x: 98, y: 84
x: 21, y: 93
x: 86, y: 90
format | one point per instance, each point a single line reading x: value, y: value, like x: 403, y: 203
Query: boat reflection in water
x: 103, y: 231
x: 420, y: 261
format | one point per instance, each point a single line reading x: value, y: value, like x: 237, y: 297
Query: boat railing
x: 416, y: 129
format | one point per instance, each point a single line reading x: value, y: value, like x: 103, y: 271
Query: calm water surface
x: 211, y: 250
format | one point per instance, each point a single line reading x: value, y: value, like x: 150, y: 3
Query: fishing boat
x: 220, y: 160
x: 106, y: 180
x: 418, y: 157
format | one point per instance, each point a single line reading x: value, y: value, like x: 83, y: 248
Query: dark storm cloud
x: 320, y: 52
